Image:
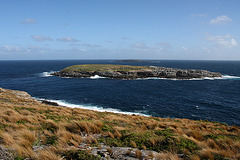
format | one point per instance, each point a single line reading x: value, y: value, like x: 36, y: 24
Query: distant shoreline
x: 132, y: 60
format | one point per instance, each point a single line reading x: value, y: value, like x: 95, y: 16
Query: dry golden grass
x: 117, y: 134
x: 166, y: 156
x: 65, y: 137
x: 24, y: 151
x: 47, y: 155
x: 25, y: 122
x: 197, y: 134
x: 133, y: 144
x: 110, y: 151
x: 138, y: 154
x: 7, y: 138
x: 109, y: 134
x: 98, y: 123
x: 194, y: 157
x: 211, y: 143
x: 27, y: 135
x: 91, y: 139
x: 207, y: 154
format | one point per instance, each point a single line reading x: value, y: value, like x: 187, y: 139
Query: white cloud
x: 7, y: 48
x: 29, y: 21
x: 164, y: 45
x: 90, y: 45
x: 30, y: 49
x: 223, y: 41
x: 220, y: 20
x: 67, y: 39
x: 139, y: 45
x: 82, y: 50
x: 184, y: 48
x: 37, y: 49
x: 41, y: 38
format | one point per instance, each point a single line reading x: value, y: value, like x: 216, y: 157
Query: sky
x: 120, y: 29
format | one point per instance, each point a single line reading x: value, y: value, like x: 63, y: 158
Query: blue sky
x: 120, y: 29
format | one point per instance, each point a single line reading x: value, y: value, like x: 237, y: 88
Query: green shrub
x: 107, y: 128
x: 52, y: 140
x: 157, y: 141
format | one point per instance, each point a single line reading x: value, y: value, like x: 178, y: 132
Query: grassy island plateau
x: 133, y: 72
x: 35, y: 130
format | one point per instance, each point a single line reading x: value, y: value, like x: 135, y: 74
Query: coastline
x: 59, y: 103
x: 223, y: 77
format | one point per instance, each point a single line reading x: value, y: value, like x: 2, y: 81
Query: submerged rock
x: 49, y: 103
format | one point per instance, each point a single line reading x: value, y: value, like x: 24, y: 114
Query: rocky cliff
x: 129, y: 72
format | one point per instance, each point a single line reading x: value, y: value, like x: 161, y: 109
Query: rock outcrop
x: 151, y: 71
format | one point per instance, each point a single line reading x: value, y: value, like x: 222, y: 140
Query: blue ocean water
x: 207, y: 99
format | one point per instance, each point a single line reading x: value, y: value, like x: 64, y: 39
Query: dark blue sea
x: 199, y: 99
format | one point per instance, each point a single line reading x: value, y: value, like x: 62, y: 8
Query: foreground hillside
x: 31, y: 129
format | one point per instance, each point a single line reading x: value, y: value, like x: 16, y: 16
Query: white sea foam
x: 217, y: 78
x: 150, y: 78
x: 197, y: 107
x: 46, y: 74
x: 192, y: 79
x: 230, y: 77
x: 91, y: 107
x: 96, y: 77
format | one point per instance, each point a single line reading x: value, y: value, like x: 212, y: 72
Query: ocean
x: 197, y: 99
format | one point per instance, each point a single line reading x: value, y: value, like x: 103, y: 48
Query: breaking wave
x: 45, y: 74
x: 92, y: 107
x: 48, y: 74
x: 205, y: 78
x: 230, y: 77
x: 96, y: 77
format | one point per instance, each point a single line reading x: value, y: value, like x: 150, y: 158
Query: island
x: 133, y: 72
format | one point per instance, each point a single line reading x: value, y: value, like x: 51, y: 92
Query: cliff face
x: 151, y: 71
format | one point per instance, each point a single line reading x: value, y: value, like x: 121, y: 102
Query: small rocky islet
x: 133, y: 72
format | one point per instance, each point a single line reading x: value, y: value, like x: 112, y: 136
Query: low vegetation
x: 31, y: 129
x: 102, y: 67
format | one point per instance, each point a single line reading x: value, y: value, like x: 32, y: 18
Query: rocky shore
x: 134, y: 73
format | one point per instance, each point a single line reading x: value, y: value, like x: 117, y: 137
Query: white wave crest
x: 90, y: 107
x: 46, y: 74
x: 192, y: 79
x: 96, y: 77
x: 230, y: 77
